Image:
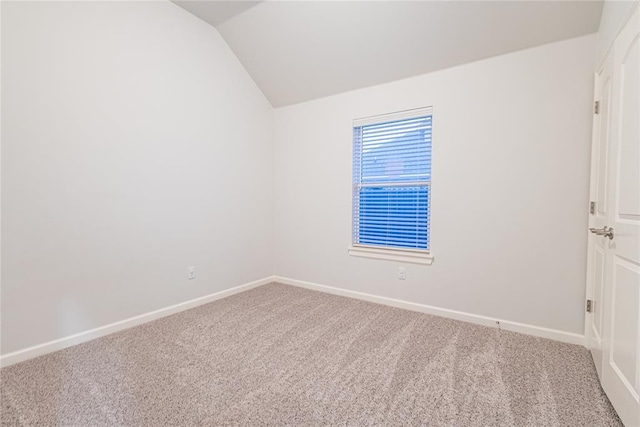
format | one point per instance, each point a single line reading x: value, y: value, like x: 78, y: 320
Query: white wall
x: 614, y: 15
x: 511, y: 151
x: 134, y: 144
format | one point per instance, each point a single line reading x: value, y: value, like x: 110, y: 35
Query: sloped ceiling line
x: 302, y: 50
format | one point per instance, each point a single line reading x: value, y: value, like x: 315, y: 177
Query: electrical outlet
x: 191, y: 273
x: 402, y: 273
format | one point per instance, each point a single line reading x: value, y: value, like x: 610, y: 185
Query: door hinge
x: 596, y: 108
x: 592, y: 208
x: 589, y: 306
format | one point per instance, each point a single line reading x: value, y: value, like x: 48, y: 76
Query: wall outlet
x: 402, y: 273
x: 191, y: 273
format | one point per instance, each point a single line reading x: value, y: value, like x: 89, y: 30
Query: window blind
x: 392, y: 180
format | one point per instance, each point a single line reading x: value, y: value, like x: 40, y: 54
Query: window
x: 392, y: 186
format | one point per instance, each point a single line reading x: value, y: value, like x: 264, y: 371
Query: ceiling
x: 302, y: 50
x: 216, y: 12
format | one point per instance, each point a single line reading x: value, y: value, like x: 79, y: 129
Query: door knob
x: 604, y: 231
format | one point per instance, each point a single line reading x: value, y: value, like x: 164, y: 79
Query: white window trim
x: 413, y: 256
x: 398, y: 255
x: 390, y: 117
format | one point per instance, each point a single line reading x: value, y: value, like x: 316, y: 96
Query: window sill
x: 399, y: 255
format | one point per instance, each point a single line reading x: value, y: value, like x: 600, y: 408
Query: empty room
x: 319, y: 213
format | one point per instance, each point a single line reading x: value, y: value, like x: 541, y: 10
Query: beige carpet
x: 279, y: 355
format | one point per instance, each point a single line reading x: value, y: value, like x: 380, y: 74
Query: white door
x: 598, y: 209
x: 614, y: 326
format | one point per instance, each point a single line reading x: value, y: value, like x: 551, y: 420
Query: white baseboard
x: 537, y: 331
x: 59, y: 344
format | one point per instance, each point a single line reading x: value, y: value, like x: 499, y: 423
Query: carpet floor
x: 280, y: 355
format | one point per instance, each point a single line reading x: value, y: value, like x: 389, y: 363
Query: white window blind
x: 392, y: 180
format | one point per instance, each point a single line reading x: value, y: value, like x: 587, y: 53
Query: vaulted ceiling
x: 302, y: 50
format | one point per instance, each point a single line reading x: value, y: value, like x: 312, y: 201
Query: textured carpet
x: 280, y: 355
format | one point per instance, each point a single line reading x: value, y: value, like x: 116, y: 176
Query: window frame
x: 398, y: 254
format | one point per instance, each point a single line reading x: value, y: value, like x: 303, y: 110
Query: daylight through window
x: 392, y: 180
